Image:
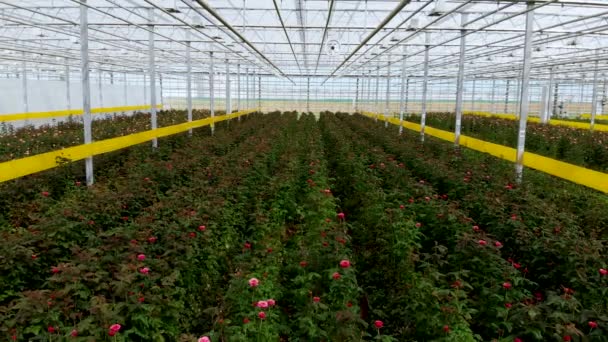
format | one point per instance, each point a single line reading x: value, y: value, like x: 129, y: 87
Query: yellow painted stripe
x: 26, y: 166
x: 598, y: 117
x: 577, y: 174
x: 68, y: 112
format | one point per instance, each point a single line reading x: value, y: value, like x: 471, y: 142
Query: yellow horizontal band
x: 597, y: 117
x: 68, y: 112
x: 577, y: 174
x: 26, y: 166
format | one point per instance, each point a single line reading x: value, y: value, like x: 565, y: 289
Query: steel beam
x: 228, y: 99
x: 100, y: 87
x: 549, y: 111
x: 377, y: 97
x: 152, y: 71
x: 68, y: 95
x: 425, y: 82
x: 238, y: 89
x: 460, y: 80
x: 594, y: 96
x: 86, y: 88
x: 524, y: 100
x: 388, y: 91
x: 24, y: 85
x: 402, y: 90
x: 493, y: 98
x: 247, y: 88
x: 308, y: 95
x: 211, y: 91
x: 356, y: 99
x: 189, y: 80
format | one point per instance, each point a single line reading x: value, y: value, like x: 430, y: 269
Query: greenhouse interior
x: 304, y: 170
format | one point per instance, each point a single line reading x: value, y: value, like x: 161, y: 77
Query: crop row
x: 559, y: 261
x: 132, y: 250
x: 282, y: 227
x: 32, y: 140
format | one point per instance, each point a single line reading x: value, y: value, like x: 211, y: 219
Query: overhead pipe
x: 276, y: 7
x: 211, y: 11
x: 300, y: 17
x: 164, y: 10
x: 386, y: 20
x: 441, y: 17
x: 413, y: 14
x: 499, y: 21
x: 331, y: 9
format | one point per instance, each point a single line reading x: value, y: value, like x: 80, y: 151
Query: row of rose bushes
x: 181, y: 241
x: 241, y: 237
x: 601, y: 120
x: 294, y: 278
x: 573, y: 145
x: 32, y: 140
x: 142, y: 248
x: 542, y: 235
x: 415, y: 250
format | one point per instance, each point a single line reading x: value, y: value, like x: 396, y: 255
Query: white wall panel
x: 45, y: 95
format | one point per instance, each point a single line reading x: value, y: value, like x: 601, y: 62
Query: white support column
x: 160, y: 86
x: 247, y: 88
x: 524, y: 100
x: 544, y: 99
x: 549, y: 107
x: 100, y: 86
x: 86, y: 87
x: 493, y: 100
x: 425, y: 82
x: 211, y: 91
x: 518, y: 97
x: 555, y: 98
x: 252, y: 89
x: 388, y: 91
x: 260, y: 93
x: 152, y: 71
x: 228, y: 99
x: 582, y: 96
x: 402, y: 90
x: 603, y: 101
x: 362, y: 99
x: 189, y: 80
x: 377, y: 98
x: 145, y: 87
x: 370, y: 101
x: 308, y: 95
x: 68, y: 96
x: 26, y: 108
x: 507, y: 88
x: 356, y: 99
x: 594, y: 95
x: 407, y: 95
x: 460, y: 80
x: 238, y: 89
x: 125, y: 90
x: 473, y: 95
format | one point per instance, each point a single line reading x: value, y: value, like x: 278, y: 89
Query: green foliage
x: 436, y: 244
